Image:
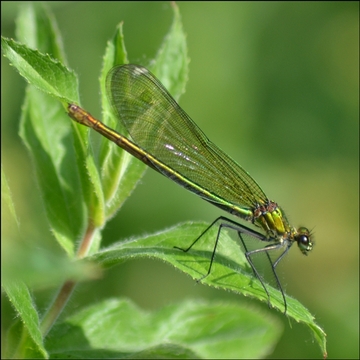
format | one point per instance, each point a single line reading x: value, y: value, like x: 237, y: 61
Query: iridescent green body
x: 165, y: 138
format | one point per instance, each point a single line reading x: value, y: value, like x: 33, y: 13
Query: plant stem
x: 86, y: 241
x: 57, y: 306
x: 68, y: 286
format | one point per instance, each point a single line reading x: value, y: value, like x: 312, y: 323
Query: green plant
x: 79, y: 200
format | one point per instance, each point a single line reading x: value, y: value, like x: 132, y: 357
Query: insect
x: 165, y: 138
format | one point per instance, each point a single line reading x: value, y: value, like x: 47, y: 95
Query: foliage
x: 82, y: 188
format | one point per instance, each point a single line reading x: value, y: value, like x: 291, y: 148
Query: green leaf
x: 38, y: 29
x: 49, y: 141
x: 20, y: 298
x: 41, y: 268
x: 20, y: 345
x: 230, y: 270
x: 77, y: 197
x: 118, y: 329
x: 120, y: 171
x: 103, y: 194
x: 9, y: 218
x: 22, y: 262
x: 42, y: 71
x: 171, y: 65
x: 72, y: 192
x: 44, y: 128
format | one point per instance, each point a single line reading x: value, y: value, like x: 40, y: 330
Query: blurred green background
x: 276, y: 86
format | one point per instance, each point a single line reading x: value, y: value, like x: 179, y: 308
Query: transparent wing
x: 158, y: 125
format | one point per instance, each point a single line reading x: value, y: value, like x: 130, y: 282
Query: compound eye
x: 303, y: 240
